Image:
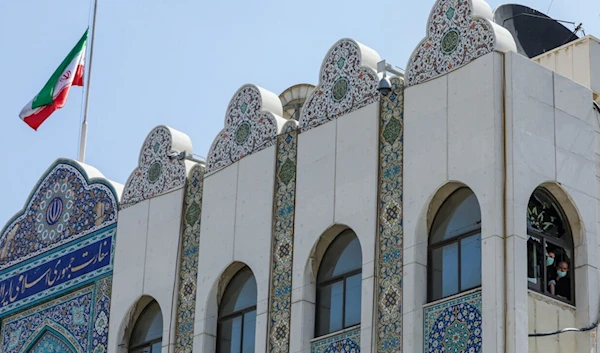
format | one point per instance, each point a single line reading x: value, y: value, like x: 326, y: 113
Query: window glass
x: 445, y: 266
x: 230, y: 335
x: 342, y: 256
x: 147, y: 330
x: 459, y: 214
x: 549, y: 248
x: 455, y: 246
x: 339, y: 282
x: 470, y: 262
x: 353, y: 294
x: 330, y: 308
x: 240, y: 293
x: 237, y: 315
x: 249, y: 331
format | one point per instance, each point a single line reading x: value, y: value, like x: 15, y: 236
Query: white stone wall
x: 236, y: 226
x: 550, y: 128
x: 548, y: 315
x: 146, y: 264
x: 578, y: 61
x: 336, y: 184
x: 453, y: 136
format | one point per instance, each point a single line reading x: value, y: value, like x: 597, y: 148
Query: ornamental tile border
x: 252, y: 122
x: 454, y: 325
x: 156, y: 172
x: 348, y: 82
x: 283, y: 240
x: 64, y: 205
x: 188, y: 268
x: 458, y: 32
x: 390, y: 230
x: 79, y: 319
x: 345, y: 342
x: 107, y: 235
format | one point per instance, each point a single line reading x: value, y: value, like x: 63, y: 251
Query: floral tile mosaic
x: 390, y: 232
x: 345, y: 342
x: 157, y: 173
x: 347, y: 83
x: 64, y: 205
x: 454, y: 325
x: 188, y: 268
x: 76, y: 323
x: 252, y: 122
x: 456, y: 35
x: 283, y: 239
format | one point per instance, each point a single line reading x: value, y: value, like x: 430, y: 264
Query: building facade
x: 457, y: 212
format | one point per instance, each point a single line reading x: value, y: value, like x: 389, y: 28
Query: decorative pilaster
x: 188, y: 267
x: 390, y: 236
x: 283, y: 240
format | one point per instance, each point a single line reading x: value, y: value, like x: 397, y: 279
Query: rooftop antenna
x: 551, y: 2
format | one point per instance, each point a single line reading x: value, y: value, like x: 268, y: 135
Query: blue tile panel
x: 64, y: 206
x: 345, y: 342
x: 74, y: 323
x: 57, y: 272
x: 454, y: 326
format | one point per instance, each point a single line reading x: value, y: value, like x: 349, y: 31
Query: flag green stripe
x: 46, y: 95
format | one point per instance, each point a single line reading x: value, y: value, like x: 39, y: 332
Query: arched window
x: 455, y: 246
x: 549, y: 248
x: 339, y: 283
x: 237, y: 315
x: 146, y: 336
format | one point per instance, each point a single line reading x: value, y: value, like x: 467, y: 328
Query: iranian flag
x: 54, y: 94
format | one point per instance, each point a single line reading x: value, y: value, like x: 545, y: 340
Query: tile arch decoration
x: 50, y: 340
x: 80, y: 318
x: 348, y: 81
x: 252, y: 122
x: 156, y: 172
x: 71, y: 200
x: 458, y: 32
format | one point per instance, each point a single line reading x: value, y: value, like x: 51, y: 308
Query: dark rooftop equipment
x: 535, y: 33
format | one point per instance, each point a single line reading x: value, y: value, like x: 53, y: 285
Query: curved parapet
x: 290, y: 126
x: 252, y: 122
x: 69, y: 201
x: 348, y: 82
x: 458, y: 32
x: 158, y: 172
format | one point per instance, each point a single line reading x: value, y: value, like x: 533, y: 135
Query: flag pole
x: 84, y: 124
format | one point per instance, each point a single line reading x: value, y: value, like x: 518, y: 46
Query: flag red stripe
x: 78, y: 80
x: 36, y: 119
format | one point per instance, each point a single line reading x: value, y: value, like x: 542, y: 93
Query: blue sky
x: 178, y: 63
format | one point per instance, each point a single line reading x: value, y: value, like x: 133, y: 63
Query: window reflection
x: 455, y: 246
x: 237, y: 315
x: 339, y: 283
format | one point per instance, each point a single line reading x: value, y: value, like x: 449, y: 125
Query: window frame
x: 339, y: 278
x: 566, y: 243
x: 147, y: 344
x: 474, y: 230
x: 239, y: 313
